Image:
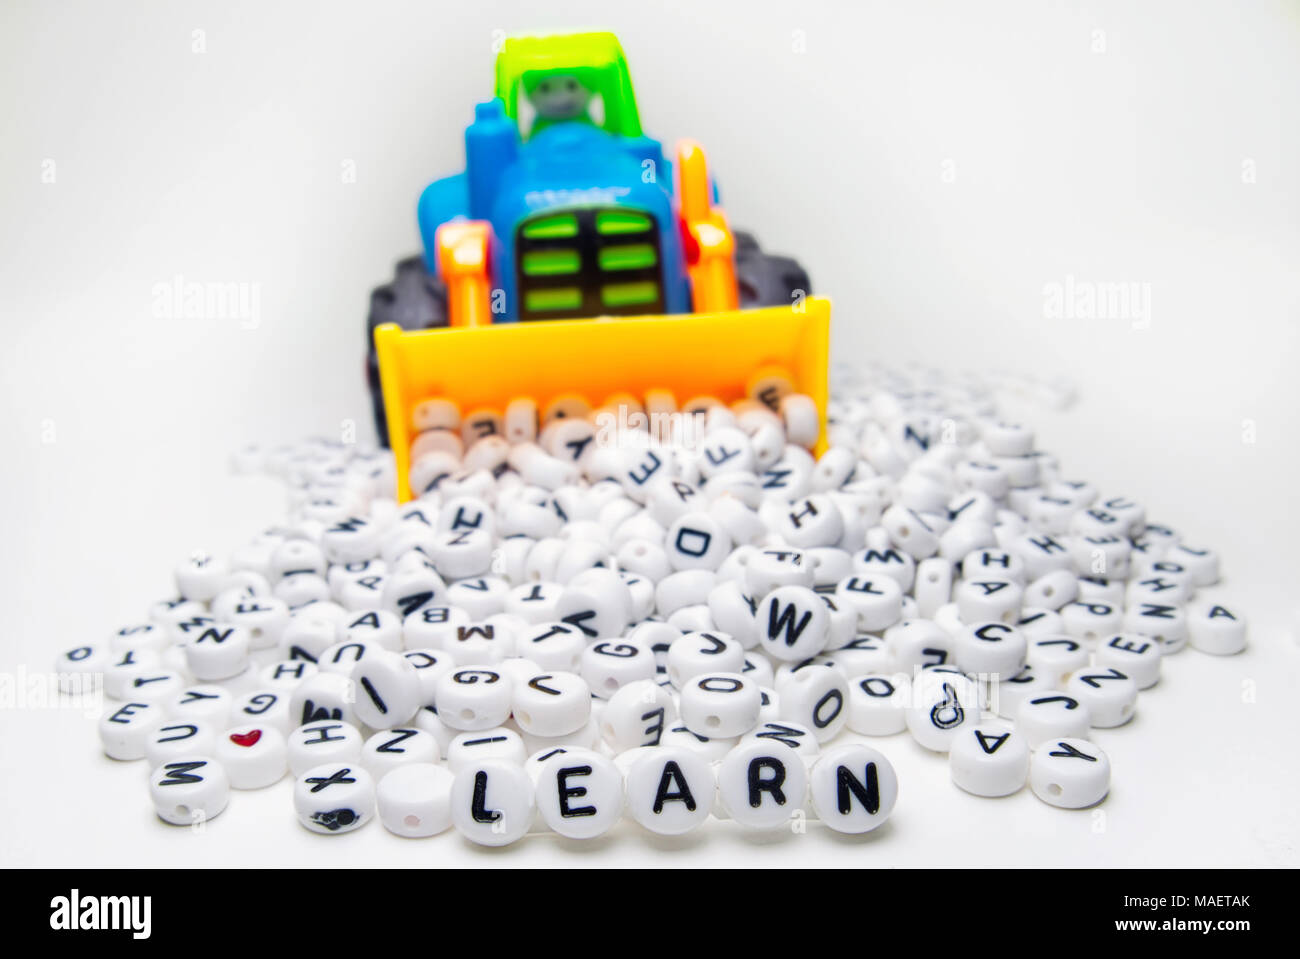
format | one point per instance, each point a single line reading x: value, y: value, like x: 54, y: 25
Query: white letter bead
x: 1109, y: 694
x: 918, y: 643
x: 285, y: 674
x: 492, y: 802
x: 201, y: 704
x: 334, y: 798
x: 501, y: 744
x: 254, y: 756
x: 180, y: 740
x: 812, y: 521
x: 933, y: 585
x: 77, y: 667
x: 374, y: 627
x: 991, y: 648
x: 579, y: 793
x: 878, y: 601
x: 854, y: 788
x: 611, y: 664
x: 795, y: 735
x: 319, y: 743
x: 553, y: 646
x: 877, y: 704
x: 1215, y: 629
x: 551, y: 703
x: 670, y: 790
x: 909, y: 532
x: 326, y: 695
x: 153, y: 686
x: 767, y: 569
x: 201, y: 577
x: 1071, y: 773
x: 1056, y: 657
x: 125, y: 665
x: 989, y: 759
x: 387, y: 690
x: 1163, y: 622
x: 1014, y: 690
x: 1091, y: 621
x: 697, y: 541
x: 693, y: 654
x: 720, y: 705
x: 944, y: 702
x: 815, y: 695
x: 637, y: 715
x: 762, y: 782
x: 474, y: 698
x: 1051, y: 715
x: 414, y: 800
x: 218, y: 652
x: 793, y: 623
x: 391, y: 748
x: 187, y: 792
x: 988, y: 598
x: 1136, y: 655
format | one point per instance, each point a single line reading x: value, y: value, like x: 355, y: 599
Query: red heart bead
x: 246, y: 739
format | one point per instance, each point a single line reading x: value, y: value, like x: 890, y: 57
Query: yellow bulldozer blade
x: 700, y: 354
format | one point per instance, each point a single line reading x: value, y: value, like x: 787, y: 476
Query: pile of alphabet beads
x: 566, y: 629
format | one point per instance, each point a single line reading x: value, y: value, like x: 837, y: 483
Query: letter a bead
x: 989, y: 759
x: 670, y: 789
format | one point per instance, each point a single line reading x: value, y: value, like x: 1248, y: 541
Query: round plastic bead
x: 319, y: 743
x: 720, y: 705
x: 391, y: 748
x: 991, y: 648
x: 817, y: 696
x: 1110, y: 695
x: 1052, y: 714
x: 253, y: 756
x: 1214, y: 628
x: 944, y: 702
x: 1134, y: 655
x: 473, y: 698
x: 414, y: 800
x: 1072, y: 773
x: 877, y: 704
x: 762, y: 782
x: 853, y: 788
x: 637, y: 715
x: 189, y: 791
x: 492, y: 802
x: 552, y: 703
x: 989, y: 759
x: 579, y: 793
x: 694, y: 654
x: 334, y: 798
x: 670, y: 790
x: 793, y: 624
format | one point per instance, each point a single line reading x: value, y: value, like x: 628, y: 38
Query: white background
x: 936, y: 166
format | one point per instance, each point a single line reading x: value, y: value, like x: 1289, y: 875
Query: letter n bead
x: 854, y: 788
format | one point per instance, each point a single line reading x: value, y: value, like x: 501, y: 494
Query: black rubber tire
x: 414, y: 300
x: 766, y: 279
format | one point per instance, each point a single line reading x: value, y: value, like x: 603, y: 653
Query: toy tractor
x: 577, y: 219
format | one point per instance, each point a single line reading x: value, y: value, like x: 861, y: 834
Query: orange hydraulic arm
x: 710, y: 246
x: 463, y: 263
